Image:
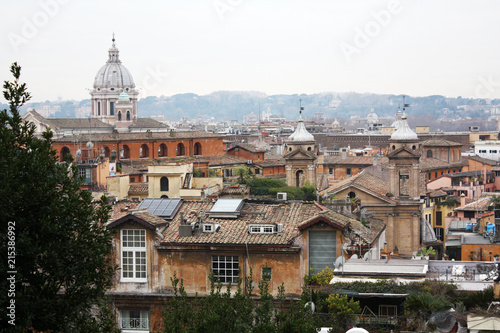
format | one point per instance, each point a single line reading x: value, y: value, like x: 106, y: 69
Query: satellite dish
x: 357, y: 330
x: 354, y: 256
x: 444, y: 321
x: 368, y: 255
x: 311, y: 306
x: 339, y: 262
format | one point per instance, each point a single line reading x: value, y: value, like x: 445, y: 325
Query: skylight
x: 227, y: 208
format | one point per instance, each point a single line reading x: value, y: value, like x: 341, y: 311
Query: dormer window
x: 261, y: 229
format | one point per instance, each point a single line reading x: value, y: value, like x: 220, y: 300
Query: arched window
x: 299, y: 178
x: 144, y: 151
x: 128, y: 115
x: 180, y: 150
x: 98, y: 108
x: 197, y: 148
x: 309, y: 149
x: 119, y: 116
x: 351, y: 195
x: 164, y: 184
x: 64, y: 151
x: 124, y: 152
x: 107, y: 152
x: 162, y: 150
x: 393, y: 147
x: 429, y: 153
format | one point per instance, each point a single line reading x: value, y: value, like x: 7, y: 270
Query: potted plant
x: 425, y: 252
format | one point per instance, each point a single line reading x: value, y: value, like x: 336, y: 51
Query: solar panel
x: 165, y: 208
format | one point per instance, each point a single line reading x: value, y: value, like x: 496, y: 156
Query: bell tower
x: 300, y: 156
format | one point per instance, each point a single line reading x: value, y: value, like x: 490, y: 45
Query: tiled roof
x: 483, y: 160
x: 431, y: 163
x: 440, y: 143
x: 235, y: 231
x: 139, y: 136
x: 360, y: 160
x: 235, y: 189
x: 76, y: 123
x: 142, y: 217
x: 122, y: 208
x: 147, y: 123
x: 481, y: 204
x: 495, y: 168
x: 139, y: 189
x: 220, y: 160
x: 367, y: 180
x: 293, y: 215
x: 248, y: 147
x: 438, y: 193
x: 270, y: 163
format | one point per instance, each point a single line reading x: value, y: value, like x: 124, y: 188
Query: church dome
x: 372, y: 117
x: 301, y: 133
x: 404, y: 131
x: 336, y: 123
x: 113, y: 74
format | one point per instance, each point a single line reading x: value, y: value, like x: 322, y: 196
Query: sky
x: 417, y: 48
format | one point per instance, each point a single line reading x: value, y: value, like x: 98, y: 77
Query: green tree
x: 243, y: 172
x: 420, y: 306
x: 54, y: 236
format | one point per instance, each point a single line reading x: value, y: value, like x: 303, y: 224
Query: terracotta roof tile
x: 434, y: 163
x: 483, y: 160
x: 366, y: 180
x: 139, y: 188
x: 76, y: 123
x: 249, y: 147
x: 479, y: 205
x: 440, y: 143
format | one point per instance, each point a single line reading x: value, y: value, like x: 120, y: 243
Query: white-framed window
x: 226, y: 268
x: 133, y: 255
x: 261, y: 229
x: 133, y: 321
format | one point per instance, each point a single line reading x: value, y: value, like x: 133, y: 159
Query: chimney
x: 185, y: 229
x: 462, y: 200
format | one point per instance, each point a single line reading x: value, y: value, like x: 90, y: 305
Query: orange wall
x: 210, y: 147
x: 245, y: 154
x: 274, y: 170
x: 485, y: 249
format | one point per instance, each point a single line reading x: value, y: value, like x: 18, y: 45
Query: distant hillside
x: 234, y: 105
x: 229, y: 105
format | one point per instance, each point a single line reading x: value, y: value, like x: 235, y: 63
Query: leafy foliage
x: 322, y: 278
x: 61, y: 247
x: 243, y: 173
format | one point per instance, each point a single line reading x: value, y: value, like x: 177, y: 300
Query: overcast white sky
x: 418, y: 48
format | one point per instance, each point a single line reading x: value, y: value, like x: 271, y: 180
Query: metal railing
x: 135, y: 323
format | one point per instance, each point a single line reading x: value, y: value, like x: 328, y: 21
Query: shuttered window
x: 322, y: 250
